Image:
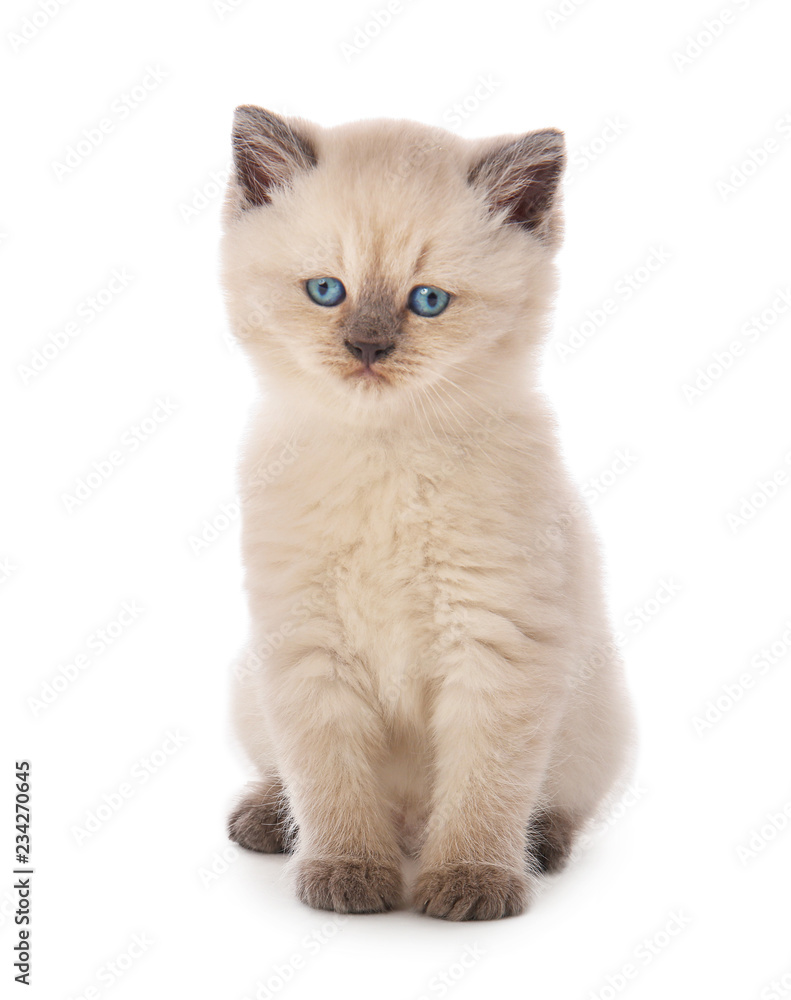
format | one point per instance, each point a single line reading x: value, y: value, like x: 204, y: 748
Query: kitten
x: 430, y: 667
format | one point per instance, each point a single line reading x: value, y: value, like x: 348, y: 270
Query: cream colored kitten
x: 430, y: 667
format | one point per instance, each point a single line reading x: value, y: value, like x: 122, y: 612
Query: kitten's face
x: 373, y: 262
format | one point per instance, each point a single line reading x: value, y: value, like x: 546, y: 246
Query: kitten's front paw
x: 464, y: 891
x: 348, y: 885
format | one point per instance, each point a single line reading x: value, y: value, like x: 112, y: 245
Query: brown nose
x: 369, y: 351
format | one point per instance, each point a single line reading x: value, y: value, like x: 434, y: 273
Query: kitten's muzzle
x: 369, y: 351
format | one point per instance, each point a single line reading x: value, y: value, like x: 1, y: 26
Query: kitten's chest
x: 383, y: 533
x: 374, y: 516
x: 387, y: 557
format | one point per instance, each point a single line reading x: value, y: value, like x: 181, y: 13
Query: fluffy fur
x: 430, y: 667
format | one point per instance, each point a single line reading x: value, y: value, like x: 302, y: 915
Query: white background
x: 678, y: 119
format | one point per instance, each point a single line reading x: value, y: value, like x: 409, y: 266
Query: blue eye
x: 325, y: 291
x: 426, y: 300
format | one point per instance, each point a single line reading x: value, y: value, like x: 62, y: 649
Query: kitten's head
x: 372, y: 262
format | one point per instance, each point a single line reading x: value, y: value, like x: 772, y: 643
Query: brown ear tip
x: 252, y: 113
x: 550, y: 144
x: 554, y: 138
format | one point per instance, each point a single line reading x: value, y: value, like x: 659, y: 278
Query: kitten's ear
x: 267, y: 152
x: 522, y: 177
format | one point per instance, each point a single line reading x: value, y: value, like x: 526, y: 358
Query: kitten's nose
x: 369, y: 351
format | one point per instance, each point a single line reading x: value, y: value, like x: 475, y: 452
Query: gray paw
x: 261, y: 821
x: 348, y: 885
x: 464, y: 891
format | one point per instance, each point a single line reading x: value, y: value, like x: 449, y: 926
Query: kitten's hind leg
x: 550, y: 839
x: 262, y: 819
x: 593, y: 750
